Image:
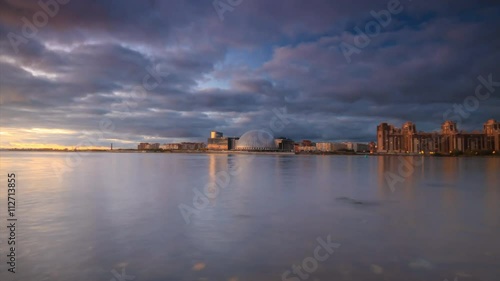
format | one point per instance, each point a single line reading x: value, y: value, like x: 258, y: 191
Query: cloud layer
x: 173, y: 70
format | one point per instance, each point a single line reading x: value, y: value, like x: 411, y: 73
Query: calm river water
x: 117, y: 217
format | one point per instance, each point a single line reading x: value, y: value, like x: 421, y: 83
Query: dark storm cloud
x: 88, y: 62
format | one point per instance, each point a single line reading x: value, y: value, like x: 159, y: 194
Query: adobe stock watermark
x: 106, y: 126
x: 121, y: 277
x: 211, y: 190
x: 30, y: 28
x: 483, y: 91
x: 223, y: 6
x: 372, y: 29
x: 406, y: 168
x: 310, y: 264
x: 458, y: 113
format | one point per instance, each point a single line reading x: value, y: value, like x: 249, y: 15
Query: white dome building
x: 256, y: 140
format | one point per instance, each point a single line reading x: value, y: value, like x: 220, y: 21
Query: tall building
x: 232, y: 142
x: 492, y: 130
x: 143, y: 146
x: 148, y: 146
x: 217, y: 141
x: 216, y: 135
x: 284, y: 144
x: 388, y: 138
x: 407, y: 140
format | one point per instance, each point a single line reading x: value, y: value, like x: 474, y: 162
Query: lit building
x: 217, y: 141
x: 324, y: 146
x: 305, y: 146
x: 407, y: 140
x: 216, y: 135
x: 170, y: 146
x: 143, y: 146
x: 302, y: 148
x: 183, y: 146
x: 492, y: 130
x: 329, y: 146
x: 372, y: 146
x: 148, y: 146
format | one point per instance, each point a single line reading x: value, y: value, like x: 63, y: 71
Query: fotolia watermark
x: 223, y: 6
x: 310, y: 264
x: 106, y: 126
x: 372, y: 29
x: 211, y: 190
x: 30, y: 28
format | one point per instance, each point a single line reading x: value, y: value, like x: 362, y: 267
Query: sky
x: 90, y: 73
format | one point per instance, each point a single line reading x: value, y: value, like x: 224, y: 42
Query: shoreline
x: 251, y: 152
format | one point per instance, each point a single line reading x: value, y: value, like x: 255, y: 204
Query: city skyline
x: 92, y: 74
x: 394, y: 129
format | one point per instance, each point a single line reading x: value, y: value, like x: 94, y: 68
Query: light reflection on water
x: 118, y: 210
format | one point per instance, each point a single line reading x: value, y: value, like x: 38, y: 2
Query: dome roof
x: 256, y: 140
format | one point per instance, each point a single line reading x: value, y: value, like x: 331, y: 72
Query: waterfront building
x: 407, y: 140
x: 372, y: 146
x: 191, y: 145
x: 148, y: 146
x: 357, y: 147
x: 492, y: 130
x: 301, y: 148
x: 143, y: 146
x: 324, y: 146
x: 217, y: 141
x: 328, y: 147
x: 183, y: 146
x: 284, y: 144
x: 170, y: 146
x: 232, y: 142
x: 215, y: 135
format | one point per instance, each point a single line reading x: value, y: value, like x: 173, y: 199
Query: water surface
x: 115, y: 213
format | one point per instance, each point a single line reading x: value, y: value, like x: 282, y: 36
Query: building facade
x: 148, y: 146
x: 217, y: 141
x: 215, y: 135
x: 492, y: 130
x: 284, y: 144
x: 407, y: 140
x: 330, y: 146
x: 358, y: 147
x: 170, y: 146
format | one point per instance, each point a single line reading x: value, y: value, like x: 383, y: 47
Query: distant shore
x: 468, y: 154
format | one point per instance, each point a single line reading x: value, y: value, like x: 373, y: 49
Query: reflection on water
x: 115, y: 212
